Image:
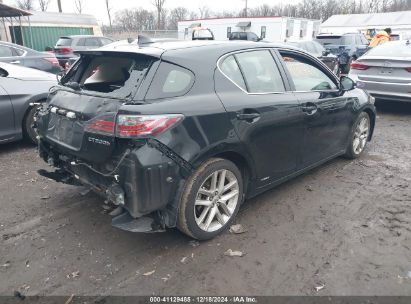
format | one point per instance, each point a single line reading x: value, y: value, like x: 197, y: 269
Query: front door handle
x: 15, y: 62
x: 310, y: 108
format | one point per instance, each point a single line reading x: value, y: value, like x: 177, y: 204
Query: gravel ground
x: 345, y: 226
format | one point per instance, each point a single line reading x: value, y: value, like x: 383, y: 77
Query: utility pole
x: 246, y: 8
x: 59, y: 5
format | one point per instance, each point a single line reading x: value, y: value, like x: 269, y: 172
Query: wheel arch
x: 372, y: 116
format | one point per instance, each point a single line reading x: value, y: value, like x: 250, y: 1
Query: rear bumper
x: 385, y: 90
x: 146, y: 179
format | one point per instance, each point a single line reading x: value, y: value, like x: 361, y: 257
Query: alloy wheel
x: 216, y: 200
x: 361, y: 135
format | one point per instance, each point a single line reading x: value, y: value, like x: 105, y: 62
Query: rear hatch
x: 82, y: 111
x: 63, y: 47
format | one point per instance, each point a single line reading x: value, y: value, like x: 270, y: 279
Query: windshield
x: 203, y: 33
x: 334, y: 40
x: 391, y: 49
x: 116, y: 75
x: 64, y: 42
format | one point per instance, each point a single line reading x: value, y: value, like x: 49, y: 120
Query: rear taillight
x: 358, y: 66
x: 408, y: 69
x: 103, y: 124
x: 145, y: 125
x: 52, y: 60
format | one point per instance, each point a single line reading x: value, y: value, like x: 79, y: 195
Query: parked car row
x: 172, y: 141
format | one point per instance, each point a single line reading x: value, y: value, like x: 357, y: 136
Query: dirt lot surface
x: 345, y: 225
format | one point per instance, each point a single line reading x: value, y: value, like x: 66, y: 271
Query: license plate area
x: 64, y: 130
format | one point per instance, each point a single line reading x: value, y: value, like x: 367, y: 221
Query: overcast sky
x: 97, y: 7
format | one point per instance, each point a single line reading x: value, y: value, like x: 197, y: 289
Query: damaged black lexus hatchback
x: 179, y: 134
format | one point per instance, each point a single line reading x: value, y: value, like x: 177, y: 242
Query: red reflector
x: 64, y: 50
x: 103, y: 124
x: 141, y: 125
x: 52, y: 60
x: 408, y: 69
x: 358, y: 66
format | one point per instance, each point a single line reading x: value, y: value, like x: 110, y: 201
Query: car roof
x: 17, y: 46
x: 81, y: 36
x: 187, y: 45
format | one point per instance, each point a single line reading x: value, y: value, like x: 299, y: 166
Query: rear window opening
x: 64, y: 42
x: 115, y: 75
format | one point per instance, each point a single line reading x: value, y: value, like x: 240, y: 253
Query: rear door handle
x: 310, y: 109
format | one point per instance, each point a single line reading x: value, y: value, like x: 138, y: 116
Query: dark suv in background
x: 67, y: 45
x: 348, y: 47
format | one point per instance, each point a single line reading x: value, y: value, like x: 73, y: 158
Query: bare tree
x: 27, y: 5
x: 205, y: 12
x: 44, y: 5
x: 159, y: 4
x: 79, y: 5
x: 109, y: 13
x: 177, y: 14
x: 59, y: 5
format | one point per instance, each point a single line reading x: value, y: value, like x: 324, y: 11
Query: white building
x: 269, y: 28
x: 399, y: 22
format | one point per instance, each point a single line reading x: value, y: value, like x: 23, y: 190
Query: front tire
x: 211, y: 199
x: 359, y: 136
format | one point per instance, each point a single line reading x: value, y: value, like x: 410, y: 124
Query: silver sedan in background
x: 21, y: 91
x: 385, y: 71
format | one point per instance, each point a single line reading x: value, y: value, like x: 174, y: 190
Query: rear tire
x: 29, y: 133
x: 210, y: 200
x: 359, y: 136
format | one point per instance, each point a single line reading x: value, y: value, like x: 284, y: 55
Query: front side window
x: 260, y: 72
x: 306, y: 75
x: 170, y: 81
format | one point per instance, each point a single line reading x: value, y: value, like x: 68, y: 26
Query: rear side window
x: 170, y: 81
x: 230, y: 69
x: 92, y: 42
x: 117, y: 76
x: 64, y: 42
x: 260, y: 72
x: 105, y: 41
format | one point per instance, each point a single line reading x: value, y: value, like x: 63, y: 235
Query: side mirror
x: 346, y: 84
x: 326, y: 52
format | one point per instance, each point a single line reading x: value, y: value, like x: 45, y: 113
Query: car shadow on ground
x: 15, y: 146
x: 393, y: 107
